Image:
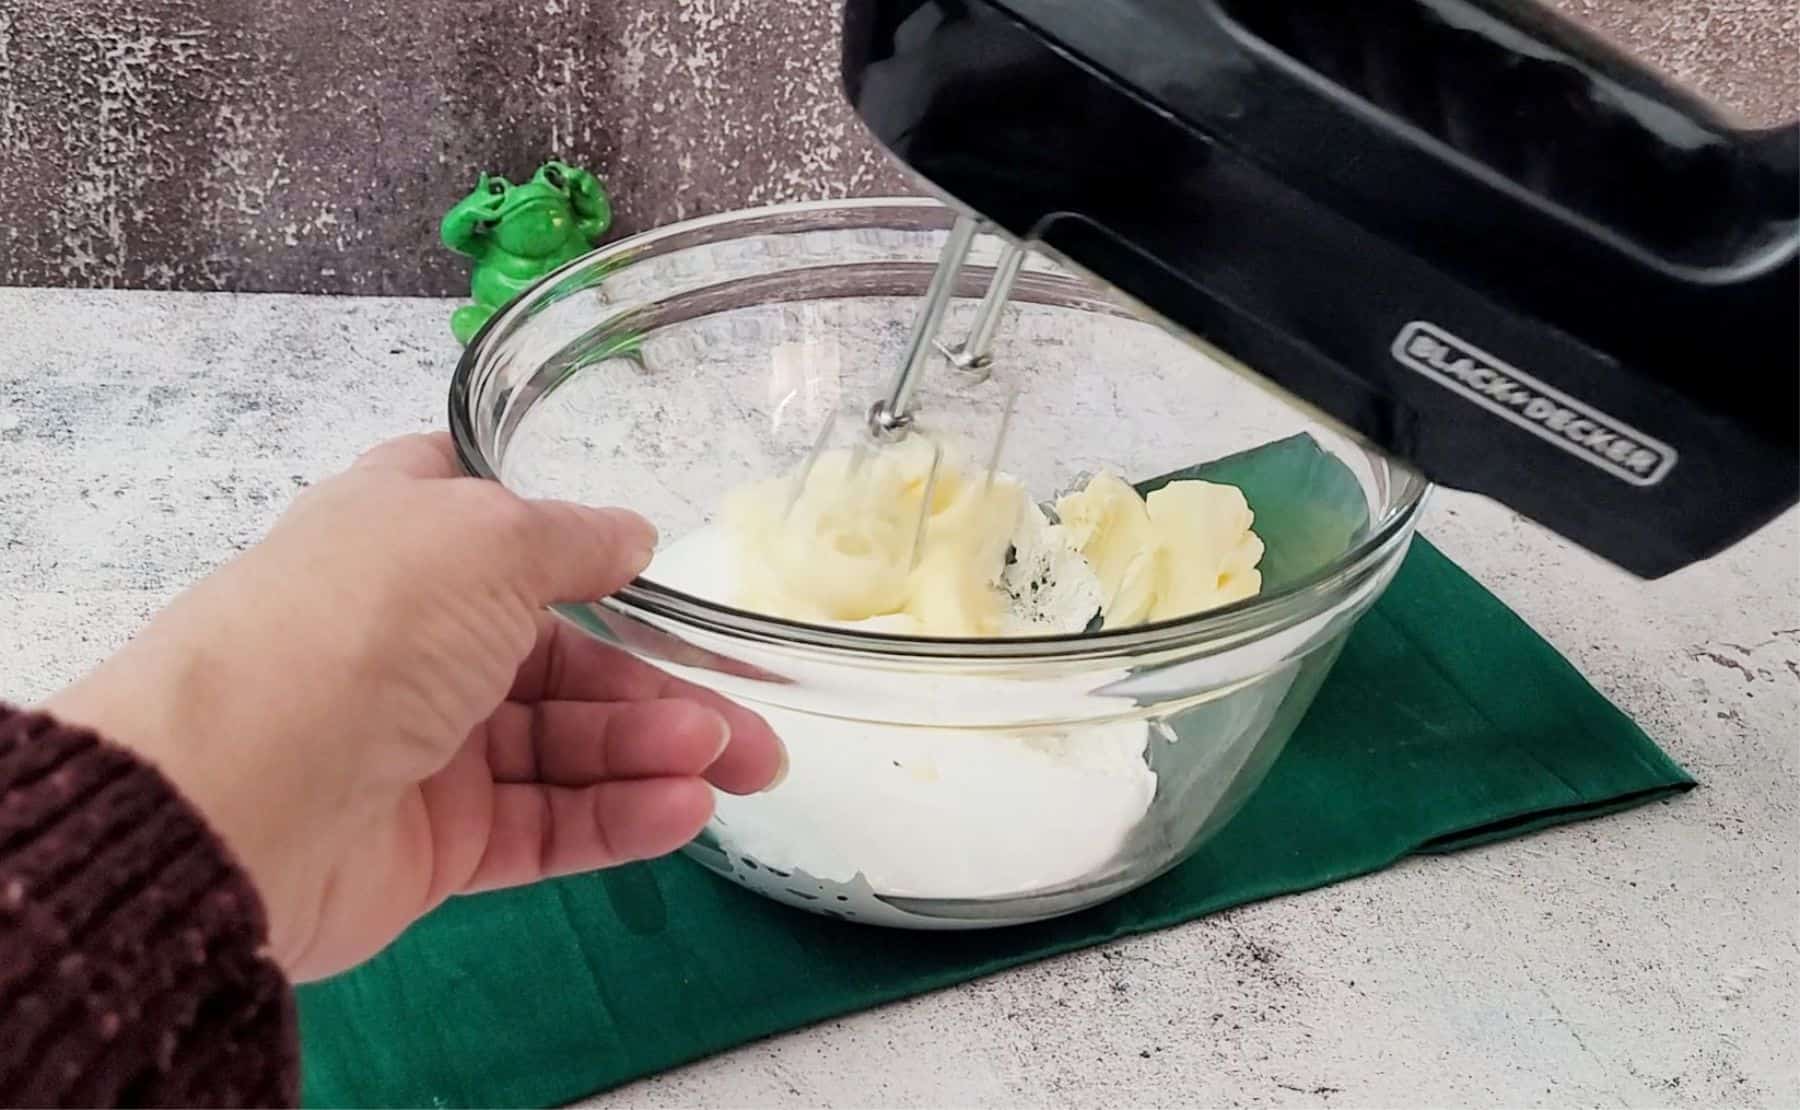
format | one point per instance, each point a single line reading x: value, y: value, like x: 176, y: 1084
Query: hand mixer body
x: 1462, y: 228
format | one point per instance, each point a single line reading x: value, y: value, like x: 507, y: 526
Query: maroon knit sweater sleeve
x: 131, y: 970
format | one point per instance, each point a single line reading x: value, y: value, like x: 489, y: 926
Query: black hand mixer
x: 1474, y: 234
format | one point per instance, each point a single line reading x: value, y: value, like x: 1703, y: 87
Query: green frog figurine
x: 518, y: 233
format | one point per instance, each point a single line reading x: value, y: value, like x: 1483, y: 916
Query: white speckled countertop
x: 1651, y: 958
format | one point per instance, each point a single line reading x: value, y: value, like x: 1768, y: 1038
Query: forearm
x: 131, y: 969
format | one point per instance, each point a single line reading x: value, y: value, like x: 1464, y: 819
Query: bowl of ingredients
x: 1029, y: 650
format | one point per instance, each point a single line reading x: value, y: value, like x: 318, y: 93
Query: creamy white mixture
x: 956, y: 813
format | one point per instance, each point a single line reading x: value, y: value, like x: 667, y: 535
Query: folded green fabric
x: 1446, y: 723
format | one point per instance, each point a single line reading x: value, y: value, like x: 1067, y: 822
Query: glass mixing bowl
x: 933, y: 783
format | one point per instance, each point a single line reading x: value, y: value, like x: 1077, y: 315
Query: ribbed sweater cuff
x: 131, y: 970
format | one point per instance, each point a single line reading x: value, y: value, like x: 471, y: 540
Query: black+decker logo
x: 1546, y: 412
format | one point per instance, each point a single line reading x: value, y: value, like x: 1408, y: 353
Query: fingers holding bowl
x: 540, y: 832
x: 581, y: 743
x: 568, y: 666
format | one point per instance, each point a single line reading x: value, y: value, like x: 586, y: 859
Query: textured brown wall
x: 311, y: 145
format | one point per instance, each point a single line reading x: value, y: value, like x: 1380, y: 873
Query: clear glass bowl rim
x: 1251, y: 617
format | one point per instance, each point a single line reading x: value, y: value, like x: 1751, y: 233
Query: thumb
x: 558, y: 551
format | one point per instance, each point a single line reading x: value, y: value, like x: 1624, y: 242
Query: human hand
x: 375, y: 710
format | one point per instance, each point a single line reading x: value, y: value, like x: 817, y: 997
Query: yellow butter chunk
x: 1209, y: 552
x: 1110, y: 525
x: 849, y: 548
x: 1186, y: 549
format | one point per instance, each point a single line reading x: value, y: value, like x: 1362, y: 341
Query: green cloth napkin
x: 1446, y: 723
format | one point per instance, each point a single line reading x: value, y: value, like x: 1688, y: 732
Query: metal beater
x: 892, y: 416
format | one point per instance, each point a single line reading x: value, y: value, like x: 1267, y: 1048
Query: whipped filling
x: 946, y: 812
x: 910, y: 538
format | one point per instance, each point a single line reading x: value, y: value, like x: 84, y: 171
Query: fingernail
x: 637, y: 537
x: 781, y: 772
x: 724, y: 730
x: 640, y: 559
